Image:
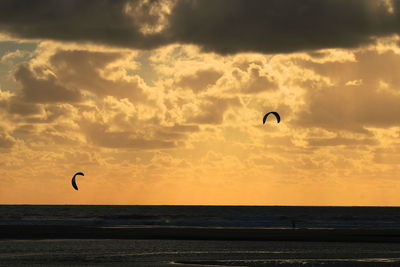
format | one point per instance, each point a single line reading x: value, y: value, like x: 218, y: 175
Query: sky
x: 161, y: 102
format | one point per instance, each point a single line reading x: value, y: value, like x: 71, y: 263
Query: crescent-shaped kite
x: 278, y: 118
x: 73, y: 179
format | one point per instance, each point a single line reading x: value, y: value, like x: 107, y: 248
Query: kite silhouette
x: 74, y: 181
x: 278, y: 118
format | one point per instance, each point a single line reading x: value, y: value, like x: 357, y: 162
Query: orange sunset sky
x: 161, y: 102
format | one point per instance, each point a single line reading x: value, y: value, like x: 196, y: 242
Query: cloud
x: 184, y: 128
x: 14, y: 56
x: 100, y: 135
x: 390, y: 155
x: 16, y: 105
x: 176, y: 132
x: 345, y: 105
x: 222, y: 26
x: 350, y: 108
x: 87, y: 70
x: 280, y: 25
x: 212, y: 110
x: 6, y: 141
x: 50, y: 114
x: 254, y: 81
x: 23, y: 130
x: 338, y: 141
x: 101, y: 21
x: 44, y: 90
x: 199, y: 80
x: 82, y: 158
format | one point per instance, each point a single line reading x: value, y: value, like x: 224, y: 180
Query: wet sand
x: 168, y: 253
x: 196, y: 233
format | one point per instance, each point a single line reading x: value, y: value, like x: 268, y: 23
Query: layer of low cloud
x: 222, y: 26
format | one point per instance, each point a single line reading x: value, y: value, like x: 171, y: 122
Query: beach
x: 169, y: 253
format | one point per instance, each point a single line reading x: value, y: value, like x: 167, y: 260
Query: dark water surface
x: 220, y: 216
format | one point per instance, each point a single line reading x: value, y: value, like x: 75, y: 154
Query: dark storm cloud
x: 223, y: 26
x: 228, y: 26
x: 72, y: 20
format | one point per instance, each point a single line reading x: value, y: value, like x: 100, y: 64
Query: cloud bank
x: 222, y: 26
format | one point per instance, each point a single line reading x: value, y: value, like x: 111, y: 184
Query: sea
x: 153, y: 252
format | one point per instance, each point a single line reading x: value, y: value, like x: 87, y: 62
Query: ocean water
x: 115, y: 252
x: 213, y: 216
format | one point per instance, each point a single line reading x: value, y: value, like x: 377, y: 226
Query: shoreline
x: 197, y: 233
